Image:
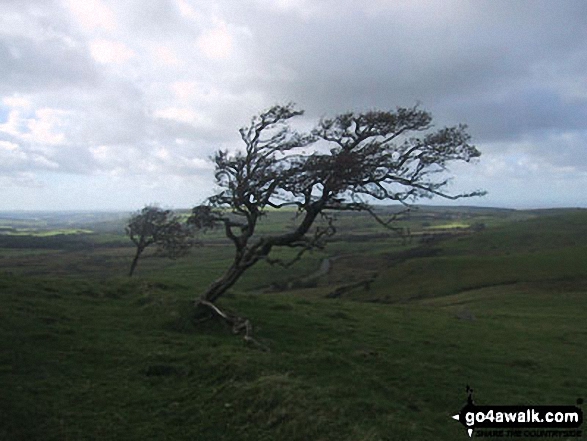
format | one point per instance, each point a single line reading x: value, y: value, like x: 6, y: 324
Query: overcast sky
x: 115, y: 104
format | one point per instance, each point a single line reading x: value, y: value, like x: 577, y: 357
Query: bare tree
x: 355, y: 158
x: 155, y: 226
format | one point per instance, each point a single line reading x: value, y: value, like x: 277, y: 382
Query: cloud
x: 40, y: 127
x: 92, y: 14
x: 437, y: 55
x: 19, y: 181
x: 28, y: 66
x: 164, y: 55
x: 107, y: 51
x: 216, y: 43
x: 14, y: 158
x: 144, y: 92
x: 187, y: 10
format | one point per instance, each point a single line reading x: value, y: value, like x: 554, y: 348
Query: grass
x: 121, y: 361
x: 438, y: 276
x: 92, y: 355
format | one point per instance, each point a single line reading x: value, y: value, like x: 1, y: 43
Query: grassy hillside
x: 108, y: 358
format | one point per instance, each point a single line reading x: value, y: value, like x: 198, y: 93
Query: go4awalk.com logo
x: 520, y: 421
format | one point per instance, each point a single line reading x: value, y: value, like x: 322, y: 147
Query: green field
x: 380, y: 346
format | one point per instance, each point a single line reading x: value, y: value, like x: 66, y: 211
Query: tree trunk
x: 133, y: 265
x: 220, y: 286
x: 223, y: 284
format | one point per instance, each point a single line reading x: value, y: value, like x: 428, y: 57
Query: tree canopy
x: 154, y: 226
x: 345, y: 163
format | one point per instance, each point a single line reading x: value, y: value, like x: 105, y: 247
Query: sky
x: 111, y: 105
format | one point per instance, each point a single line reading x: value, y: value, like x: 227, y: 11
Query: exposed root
x: 240, y: 325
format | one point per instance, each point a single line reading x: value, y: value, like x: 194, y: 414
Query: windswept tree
x: 154, y: 226
x: 345, y: 164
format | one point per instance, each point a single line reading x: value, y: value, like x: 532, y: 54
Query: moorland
x: 373, y: 338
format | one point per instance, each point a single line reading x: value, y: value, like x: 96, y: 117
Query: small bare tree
x: 155, y: 226
x: 358, y: 157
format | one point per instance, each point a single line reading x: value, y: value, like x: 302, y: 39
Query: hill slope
x: 503, y: 311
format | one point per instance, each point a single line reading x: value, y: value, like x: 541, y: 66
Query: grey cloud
x: 353, y: 61
x: 566, y: 150
x: 28, y: 66
x: 514, y: 71
x: 156, y: 19
x: 515, y: 114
